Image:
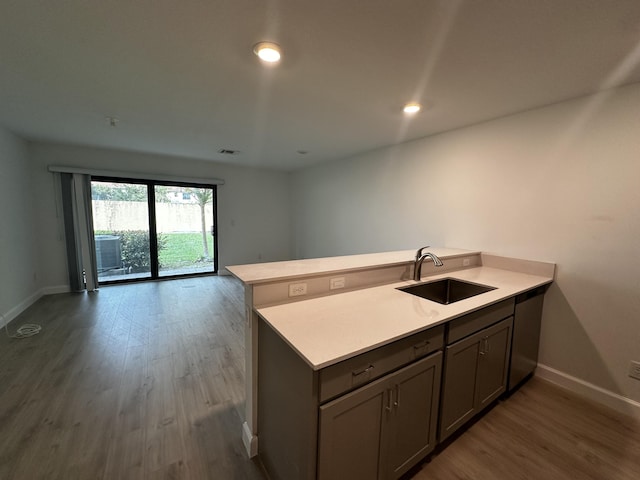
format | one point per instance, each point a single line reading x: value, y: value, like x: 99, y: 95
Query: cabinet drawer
x: 357, y: 371
x: 472, y: 322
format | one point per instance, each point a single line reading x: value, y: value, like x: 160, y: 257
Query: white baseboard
x: 250, y: 440
x: 56, y: 289
x: 21, y: 307
x: 30, y: 300
x: 588, y: 390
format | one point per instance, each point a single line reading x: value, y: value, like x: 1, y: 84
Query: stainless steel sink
x: 447, y: 290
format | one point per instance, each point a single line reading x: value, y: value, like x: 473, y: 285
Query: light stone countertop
x: 274, y: 271
x: 329, y: 329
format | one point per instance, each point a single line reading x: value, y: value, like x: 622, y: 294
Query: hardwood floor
x: 139, y: 381
x: 542, y: 432
x: 146, y: 381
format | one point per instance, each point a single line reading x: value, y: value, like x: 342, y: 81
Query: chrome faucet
x: 417, y: 266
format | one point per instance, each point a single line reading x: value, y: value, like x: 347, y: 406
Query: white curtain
x: 78, y: 221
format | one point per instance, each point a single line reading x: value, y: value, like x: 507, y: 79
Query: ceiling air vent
x: 226, y: 151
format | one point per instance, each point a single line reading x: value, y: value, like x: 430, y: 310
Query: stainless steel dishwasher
x: 526, y: 336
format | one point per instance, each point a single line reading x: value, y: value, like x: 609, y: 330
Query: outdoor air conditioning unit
x: 108, y: 252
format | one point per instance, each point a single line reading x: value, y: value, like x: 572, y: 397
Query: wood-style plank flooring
x: 542, y: 432
x: 146, y: 381
x: 138, y: 381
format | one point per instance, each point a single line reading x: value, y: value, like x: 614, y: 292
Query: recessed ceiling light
x: 412, y: 108
x: 267, y: 51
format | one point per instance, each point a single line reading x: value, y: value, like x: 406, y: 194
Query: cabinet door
x: 381, y: 430
x: 459, y: 385
x: 413, y: 420
x: 495, y: 346
x: 475, y: 374
x: 351, y: 429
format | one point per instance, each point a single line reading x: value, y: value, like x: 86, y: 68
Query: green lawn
x: 183, y: 249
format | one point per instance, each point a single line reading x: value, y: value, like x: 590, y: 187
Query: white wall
x: 556, y: 184
x: 19, y: 284
x: 253, y: 204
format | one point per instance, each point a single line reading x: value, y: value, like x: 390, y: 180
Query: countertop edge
x: 536, y: 281
x: 297, y: 269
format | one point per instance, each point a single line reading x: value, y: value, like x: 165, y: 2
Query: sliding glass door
x: 185, y: 229
x: 121, y: 230
x: 148, y: 229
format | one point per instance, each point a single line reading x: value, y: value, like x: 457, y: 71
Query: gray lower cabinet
x: 475, y: 374
x: 376, y: 415
x: 372, y: 416
x: 382, y: 429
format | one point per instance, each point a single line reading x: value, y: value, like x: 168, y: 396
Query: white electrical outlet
x: 337, y: 282
x: 466, y: 262
x: 634, y: 370
x: 297, y: 289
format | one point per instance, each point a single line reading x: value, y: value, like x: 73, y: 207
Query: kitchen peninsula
x: 320, y: 332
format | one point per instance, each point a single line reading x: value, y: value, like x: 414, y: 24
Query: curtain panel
x: 78, y: 227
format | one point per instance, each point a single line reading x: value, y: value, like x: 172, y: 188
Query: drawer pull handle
x: 421, y: 347
x: 389, y: 400
x: 397, y: 402
x: 362, y: 372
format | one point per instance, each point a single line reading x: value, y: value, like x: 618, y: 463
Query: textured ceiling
x: 182, y: 79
